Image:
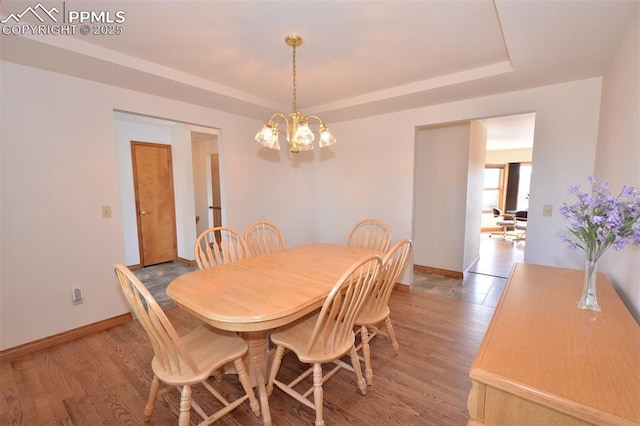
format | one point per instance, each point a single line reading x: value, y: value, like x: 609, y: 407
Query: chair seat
x: 371, y: 318
x: 295, y: 337
x: 210, y: 349
x: 506, y: 222
x: 521, y: 225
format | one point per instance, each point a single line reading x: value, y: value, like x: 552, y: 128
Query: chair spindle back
x: 392, y: 265
x: 370, y: 233
x: 264, y: 237
x: 218, y: 246
x: 167, y: 346
x: 334, y: 327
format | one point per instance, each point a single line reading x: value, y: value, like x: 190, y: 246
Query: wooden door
x: 155, y: 207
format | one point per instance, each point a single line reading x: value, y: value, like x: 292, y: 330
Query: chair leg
x: 366, y: 353
x: 243, y: 376
x: 318, y: 394
x: 275, y: 367
x: 153, y: 394
x: 185, y: 406
x: 355, y: 363
x: 392, y: 335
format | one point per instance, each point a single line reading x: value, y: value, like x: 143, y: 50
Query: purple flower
x: 596, y: 220
x: 600, y: 220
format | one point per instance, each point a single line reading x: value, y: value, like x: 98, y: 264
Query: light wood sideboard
x: 545, y: 362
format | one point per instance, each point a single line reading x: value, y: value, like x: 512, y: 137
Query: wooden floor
x: 497, y: 255
x: 104, y: 378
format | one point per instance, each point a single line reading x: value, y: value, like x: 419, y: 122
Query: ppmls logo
x: 100, y: 22
x: 38, y: 11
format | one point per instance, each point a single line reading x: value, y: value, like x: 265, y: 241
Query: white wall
x: 564, y: 148
x: 475, y: 185
x: 618, y: 154
x: 183, y: 190
x: 504, y: 156
x: 60, y: 165
x: 202, y: 184
x: 442, y: 161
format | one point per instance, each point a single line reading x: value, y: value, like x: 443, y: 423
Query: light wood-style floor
x: 104, y: 378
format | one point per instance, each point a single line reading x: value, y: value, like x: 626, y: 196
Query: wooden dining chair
x: 375, y: 309
x: 185, y: 361
x: 326, y: 336
x: 264, y: 237
x: 218, y: 246
x: 370, y: 233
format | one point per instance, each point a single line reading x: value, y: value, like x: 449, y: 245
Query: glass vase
x: 589, y: 301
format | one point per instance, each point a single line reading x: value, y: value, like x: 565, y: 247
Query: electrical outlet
x: 106, y: 212
x: 547, y: 210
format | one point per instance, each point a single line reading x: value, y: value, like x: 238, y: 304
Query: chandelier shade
x: 299, y: 136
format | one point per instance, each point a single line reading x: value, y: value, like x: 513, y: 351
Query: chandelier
x: 299, y: 135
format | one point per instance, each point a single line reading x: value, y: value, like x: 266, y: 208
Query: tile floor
x: 473, y: 288
x: 485, y: 280
x: 157, y: 277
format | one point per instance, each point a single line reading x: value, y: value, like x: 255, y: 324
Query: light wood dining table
x: 258, y: 294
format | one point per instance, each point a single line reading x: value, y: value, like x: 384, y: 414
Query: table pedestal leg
x: 257, y: 359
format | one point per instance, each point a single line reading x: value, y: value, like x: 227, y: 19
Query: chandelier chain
x: 294, y: 79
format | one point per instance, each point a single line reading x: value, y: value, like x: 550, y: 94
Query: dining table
x: 258, y: 294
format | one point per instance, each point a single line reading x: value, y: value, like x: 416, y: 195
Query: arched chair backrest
x: 168, y: 348
x: 218, y: 246
x: 376, y: 305
x: 264, y: 237
x: 370, y: 233
x: 333, y: 331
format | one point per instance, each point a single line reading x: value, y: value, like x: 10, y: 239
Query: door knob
x: 143, y: 212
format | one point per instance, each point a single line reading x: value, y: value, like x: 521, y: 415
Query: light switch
x: 106, y: 212
x: 547, y: 210
x: 76, y: 296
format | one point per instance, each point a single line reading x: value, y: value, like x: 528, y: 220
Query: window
x: 523, y: 186
x: 493, y: 184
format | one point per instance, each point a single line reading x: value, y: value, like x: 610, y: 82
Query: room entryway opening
x: 192, y: 147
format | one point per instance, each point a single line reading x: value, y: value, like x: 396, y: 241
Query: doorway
x: 450, y: 159
x: 216, y: 199
x: 508, y: 171
x: 134, y: 127
x: 154, y: 198
x: 206, y: 180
